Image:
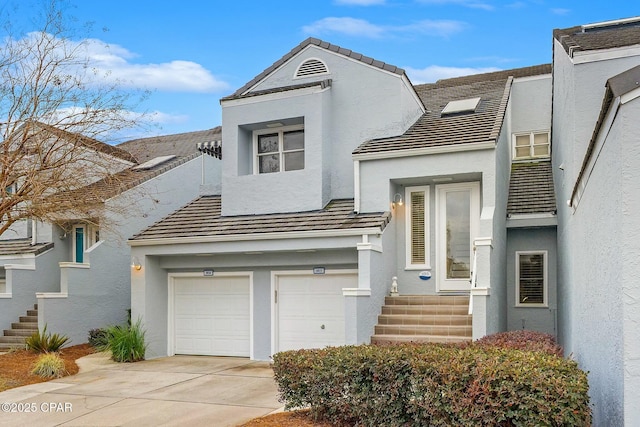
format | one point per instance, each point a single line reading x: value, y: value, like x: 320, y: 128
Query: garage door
x: 211, y: 315
x: 310, y: 310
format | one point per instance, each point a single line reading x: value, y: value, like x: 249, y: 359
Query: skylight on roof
x: 154, y: 162
x: 461, y: 106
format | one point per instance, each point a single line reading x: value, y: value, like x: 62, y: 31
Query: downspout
x: 202, y: 167
x: 34, y: 231
x: 356, y: 186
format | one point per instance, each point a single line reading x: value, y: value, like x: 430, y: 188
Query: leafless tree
x: 54, y: 110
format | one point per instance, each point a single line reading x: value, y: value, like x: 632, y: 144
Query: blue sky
x: 190, y: 53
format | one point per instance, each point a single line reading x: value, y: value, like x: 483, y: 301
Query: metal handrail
x: 473, y: 278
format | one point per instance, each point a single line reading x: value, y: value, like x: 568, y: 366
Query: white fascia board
x: 532, y: 78
x: 310, y: 90
x: 582, y: 57
x: 17, y: 256
x: 444, y: 149
x: 532, y: 220
x: 630, y: 96
x: 250, y: 237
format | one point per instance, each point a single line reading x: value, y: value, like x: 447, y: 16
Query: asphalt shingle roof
x: 433, y: 129
x: 180, y: 144
x: 202, y: 218
x: 531, y: 189
x: 584, y: 38
x: 22, y: 246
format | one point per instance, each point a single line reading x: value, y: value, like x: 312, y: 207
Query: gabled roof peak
x: 312, y: 41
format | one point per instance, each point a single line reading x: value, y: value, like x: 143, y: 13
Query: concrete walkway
x: 171, y: 391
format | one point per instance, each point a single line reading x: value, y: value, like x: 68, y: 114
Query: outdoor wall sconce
x: 397, y: 199
x: 135, y: 264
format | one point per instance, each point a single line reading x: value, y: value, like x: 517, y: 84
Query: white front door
x: 309, y: 309
x: 457, y: 222
x: 210, y: 315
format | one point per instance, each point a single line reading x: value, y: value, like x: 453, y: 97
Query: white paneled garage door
x: 309, y: 310
x: 211, y: 315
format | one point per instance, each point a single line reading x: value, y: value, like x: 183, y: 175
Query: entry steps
x: 16, y: 336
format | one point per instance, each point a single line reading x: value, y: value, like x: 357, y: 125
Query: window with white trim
x: 417, y: 227
x: 531, y: 279
x: 530, y: 145
x: 279, y: 150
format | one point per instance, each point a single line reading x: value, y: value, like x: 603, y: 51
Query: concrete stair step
x: 427, y: 300
x: 33, y: 326
x: 442, y: 309
x: 29, y: 319
x: 391, y: 339
x: 433, y: 319
x: 18, y: 332
x: 436, y: 330
x: 12, y: 339
x: 32, y: 313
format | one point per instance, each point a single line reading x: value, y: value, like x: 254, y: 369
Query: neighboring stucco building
x: 78, y: 271
x: 492, y: 202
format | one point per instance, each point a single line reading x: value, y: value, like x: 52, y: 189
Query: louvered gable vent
x: 311, y: 67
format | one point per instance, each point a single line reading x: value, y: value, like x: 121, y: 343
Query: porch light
x: 135, y: 264
x: 397, y: 199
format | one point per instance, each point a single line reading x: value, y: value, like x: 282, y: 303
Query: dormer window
x: 531, y: 145
x: 279, y: 150
x: 311, y: 67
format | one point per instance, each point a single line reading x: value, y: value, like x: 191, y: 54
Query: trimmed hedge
x: 435, y: 385
x: 523, y: 340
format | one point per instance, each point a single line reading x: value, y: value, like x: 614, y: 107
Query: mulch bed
x: 286, y: 419
x: 15, y: 366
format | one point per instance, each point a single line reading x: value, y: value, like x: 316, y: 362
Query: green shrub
x: 126, y: 343
x: 97, y: 337
x: 523, y: 340
x: 433, y: 385
x: 44, y: 342
x: 49, y: 365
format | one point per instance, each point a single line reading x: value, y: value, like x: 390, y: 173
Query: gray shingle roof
x: 202, y: 218
x: 22, y: 246
x: 531, y: 189
x: 432, y: 129
x: 180, y: 144
x: 595, y: 38
x: 330, y: 47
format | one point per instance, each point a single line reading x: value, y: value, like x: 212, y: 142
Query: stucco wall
x: 598, y: 242
x: 532, y: 318
x: 100, y: 295
x: 381, y: 179
x: 336, y: 120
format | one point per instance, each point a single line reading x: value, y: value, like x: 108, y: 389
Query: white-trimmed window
x: 417, y: 227
x: 531, y: 279
x: 530, y: 145
x: 279, y: 150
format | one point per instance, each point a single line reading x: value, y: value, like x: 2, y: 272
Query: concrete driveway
x: 179, y: 390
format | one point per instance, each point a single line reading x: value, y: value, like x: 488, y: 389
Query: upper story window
x: 530, y: 145
x: 279, y: 150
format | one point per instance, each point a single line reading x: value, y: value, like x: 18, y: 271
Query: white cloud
x: 434, y: 73
x: 359, y: 2
x: 466, y: 3
x: 175, y: 76
x: 560, y: 11
x: 115, y: 63
x: 362, y: 28
x: 348, y: 26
